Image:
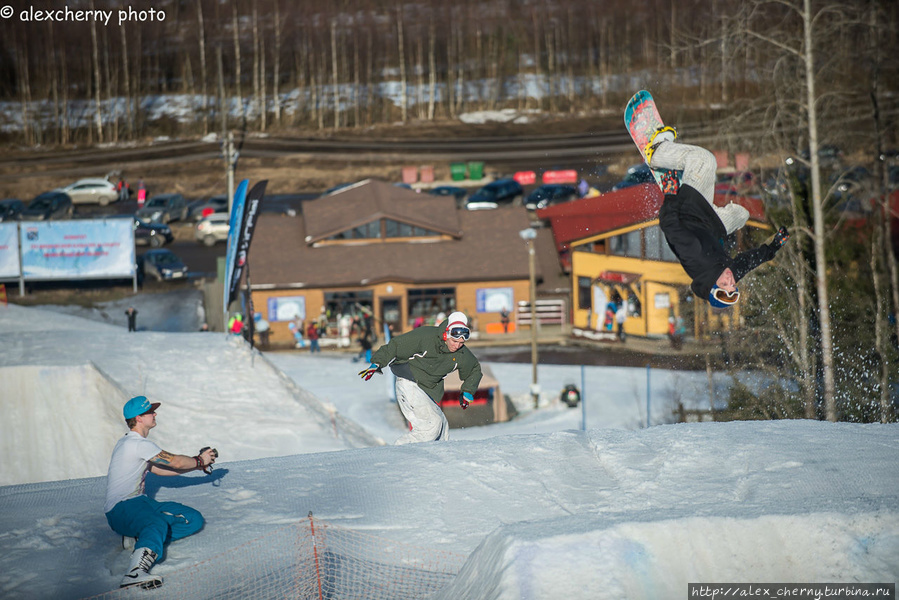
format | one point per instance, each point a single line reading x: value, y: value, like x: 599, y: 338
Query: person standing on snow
x: 695, y: 228
x: 131, y: 513
x: 131, y: 313
x: 420, y: 359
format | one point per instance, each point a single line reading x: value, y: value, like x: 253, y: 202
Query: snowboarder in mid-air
x: 694, y: 227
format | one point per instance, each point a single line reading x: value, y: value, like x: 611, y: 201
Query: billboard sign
x: 494, y: 299
x: 77, y: 249
x: 9, y: 251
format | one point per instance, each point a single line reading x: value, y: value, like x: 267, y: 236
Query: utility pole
x: 528, y: 236
x: 230, y: 157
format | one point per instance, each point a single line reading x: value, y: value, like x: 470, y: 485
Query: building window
x: 427, y: 303
x: 627, y: 244
x: 369, y: 231
x: 397, y: 229
x: 583, y: 293
x: 348, y: 303
x: 656, y: 246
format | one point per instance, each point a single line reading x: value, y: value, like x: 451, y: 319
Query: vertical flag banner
x: 251, y: 213
x: 237, y: 210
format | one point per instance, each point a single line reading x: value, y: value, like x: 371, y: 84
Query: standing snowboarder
x: 420, y: 359
x: 695, y: 228
x: 129, y: 511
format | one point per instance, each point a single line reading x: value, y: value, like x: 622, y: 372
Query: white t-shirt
x: 128, y: 468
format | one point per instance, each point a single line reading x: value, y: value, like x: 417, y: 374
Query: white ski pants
x: 428, y: 421
x: 699, y: 166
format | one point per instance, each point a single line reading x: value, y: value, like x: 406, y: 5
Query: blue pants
x: 154, y: 523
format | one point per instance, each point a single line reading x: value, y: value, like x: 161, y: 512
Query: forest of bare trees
x: 270, y: 64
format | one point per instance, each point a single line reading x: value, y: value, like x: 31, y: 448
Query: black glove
x: 780, y: 238
x: 207, y: 468
x: 367, y: 374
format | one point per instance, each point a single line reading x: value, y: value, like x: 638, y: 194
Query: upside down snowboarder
x: 695, y: 228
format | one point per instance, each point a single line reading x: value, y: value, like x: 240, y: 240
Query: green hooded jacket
x: 430, y: 360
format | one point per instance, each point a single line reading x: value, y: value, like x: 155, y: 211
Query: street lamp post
x: 528, y: 236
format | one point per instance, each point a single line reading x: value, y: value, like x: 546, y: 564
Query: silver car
x: 92, y: 191
x: 214, y: 228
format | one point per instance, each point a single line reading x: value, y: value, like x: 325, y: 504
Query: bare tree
x: 276, y: 79
x: 793, y: 40
x: 204, y: 96
x: 95, y: 53
x: 401, y: 48
x: 335, y: 83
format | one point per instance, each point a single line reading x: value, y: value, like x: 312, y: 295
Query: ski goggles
x: 721, y: 298
x: 459, y: 333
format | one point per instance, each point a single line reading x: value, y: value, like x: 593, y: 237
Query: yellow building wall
x: 280, y: 333
x: 658, y: 279
x: 466, y: 300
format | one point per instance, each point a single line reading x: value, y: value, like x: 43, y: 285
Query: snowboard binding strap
x: 653, y: 144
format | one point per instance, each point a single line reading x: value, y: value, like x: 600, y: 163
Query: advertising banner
x: 494, y: 299
x: 9, y: 251
x: 89, y: 249
x: 237, y: 210
x: 286, y: 308
x: 251, y: 213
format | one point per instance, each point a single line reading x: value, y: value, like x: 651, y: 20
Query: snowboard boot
x: 128, y: 542
x: 138, y: 573
x: 662, y: 134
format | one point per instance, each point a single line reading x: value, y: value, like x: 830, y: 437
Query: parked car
x: 852, y: 190
x: 497, y: 193
x: 635, y: 175
x: 214, y: 228
x: 47, y: 206
x: 735, y: 183
x: 154, y: 234
x: 11, y: 209
x: 550, y: 194
x: 450, y: 190
x: 91, y: 191
x: 164, y: 208
x: 203, y: 208
x: 162, y: 265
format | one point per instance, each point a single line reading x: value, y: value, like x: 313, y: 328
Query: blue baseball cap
x: 137, y: 406
x: 721, y: 298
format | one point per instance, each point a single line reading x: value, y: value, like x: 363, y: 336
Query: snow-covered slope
x: 606, y: 513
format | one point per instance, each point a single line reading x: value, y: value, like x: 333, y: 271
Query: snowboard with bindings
x: 643, y: 121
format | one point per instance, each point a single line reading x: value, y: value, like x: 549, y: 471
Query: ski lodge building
x: 615, y: 251
x: 400, y: 254
x: 403, y: 256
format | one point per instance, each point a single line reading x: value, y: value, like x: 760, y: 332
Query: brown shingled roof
x: 370, y: 200
x: 488, y: 248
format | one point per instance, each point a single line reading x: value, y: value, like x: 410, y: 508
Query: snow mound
x: 41, y: 398
x: 587, y: 558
